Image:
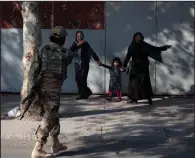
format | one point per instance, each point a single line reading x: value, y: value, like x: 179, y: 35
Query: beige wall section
x: 160, y: 22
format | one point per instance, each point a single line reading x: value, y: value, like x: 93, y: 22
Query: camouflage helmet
x: 59, y: 31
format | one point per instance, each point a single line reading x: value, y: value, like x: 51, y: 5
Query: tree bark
x: 31, y: 43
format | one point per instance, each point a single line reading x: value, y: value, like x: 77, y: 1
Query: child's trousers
x: 118, y: 93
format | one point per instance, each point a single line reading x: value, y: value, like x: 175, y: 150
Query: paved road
x: 22, y: 149
x: 96, y: 128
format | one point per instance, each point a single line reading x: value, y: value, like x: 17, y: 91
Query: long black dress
x: 84, y: 53
x: 139, y: 86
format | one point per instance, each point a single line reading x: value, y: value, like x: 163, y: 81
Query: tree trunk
x: 31, y: 43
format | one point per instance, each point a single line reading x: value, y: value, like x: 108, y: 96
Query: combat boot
x: 39, y: 153
x: 57, y: 147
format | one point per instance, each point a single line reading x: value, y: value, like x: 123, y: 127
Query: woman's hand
x: 99, y: 63
x: 168, y: 46
x: 122, y: 68
x: 80, y: 42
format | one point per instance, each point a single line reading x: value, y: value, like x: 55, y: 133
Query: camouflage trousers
x: 50, y: 125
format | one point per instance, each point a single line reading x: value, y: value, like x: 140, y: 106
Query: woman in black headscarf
x: 84, y: 53
x: 139, y: 86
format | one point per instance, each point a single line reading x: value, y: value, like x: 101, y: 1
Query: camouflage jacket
x: 51, y: 61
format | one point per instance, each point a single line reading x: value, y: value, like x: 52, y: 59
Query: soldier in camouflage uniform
x: 54, y: 60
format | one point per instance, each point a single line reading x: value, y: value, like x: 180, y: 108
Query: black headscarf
x: 134, y: 46
x: 136, y: 34
x: 134, y: 43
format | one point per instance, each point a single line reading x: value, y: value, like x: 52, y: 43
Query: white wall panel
x: 176, y: 26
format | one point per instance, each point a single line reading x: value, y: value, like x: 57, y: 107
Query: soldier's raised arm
x: 68, y: 56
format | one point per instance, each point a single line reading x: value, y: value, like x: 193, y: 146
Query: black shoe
x: 133, y: 101
x: 150, y: 102
x: 79, y: 97
x: 88, y: 94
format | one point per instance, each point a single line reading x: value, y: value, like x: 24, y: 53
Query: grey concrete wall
x: 160, y: 22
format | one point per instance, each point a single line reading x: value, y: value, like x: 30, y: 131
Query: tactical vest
x: 52, y: 62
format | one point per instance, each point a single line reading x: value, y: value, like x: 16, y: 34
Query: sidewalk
x: 170, y: 121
